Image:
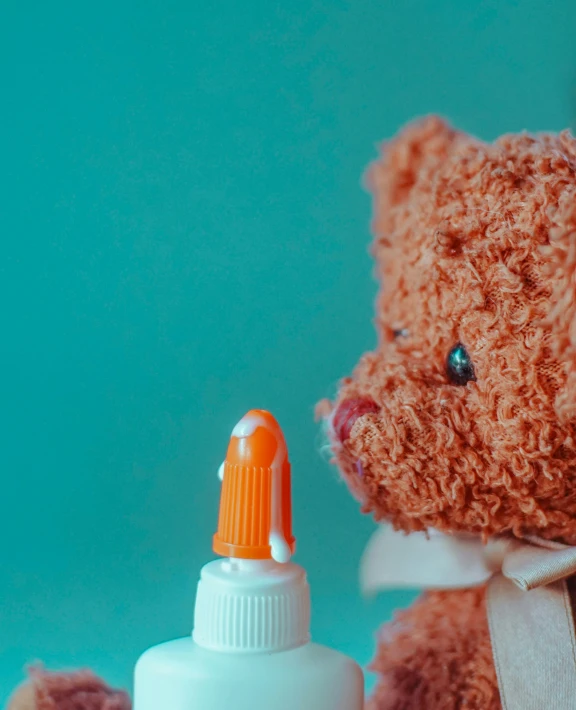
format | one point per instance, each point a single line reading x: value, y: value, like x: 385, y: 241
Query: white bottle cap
x: 252, y: 606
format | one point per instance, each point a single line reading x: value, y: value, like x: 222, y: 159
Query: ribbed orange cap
x: 255, y: 520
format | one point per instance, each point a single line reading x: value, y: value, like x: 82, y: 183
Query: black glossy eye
x: 459, y: 367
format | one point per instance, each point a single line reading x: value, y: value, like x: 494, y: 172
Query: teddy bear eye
x: 459, y: 367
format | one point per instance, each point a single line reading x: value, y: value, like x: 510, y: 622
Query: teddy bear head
x: 463, y: 418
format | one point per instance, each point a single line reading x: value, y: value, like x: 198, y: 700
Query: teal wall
x: 184, y: 237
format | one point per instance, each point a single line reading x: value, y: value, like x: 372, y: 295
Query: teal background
x: 184, y: 237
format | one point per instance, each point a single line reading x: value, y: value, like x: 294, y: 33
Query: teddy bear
x: 78, y: 690
x: 459, y: 428
x: 460, y: 425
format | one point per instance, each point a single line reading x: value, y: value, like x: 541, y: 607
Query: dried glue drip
x: 253, y: 491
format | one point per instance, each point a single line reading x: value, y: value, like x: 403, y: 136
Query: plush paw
x: 437, y: 655
x: 80, y: 690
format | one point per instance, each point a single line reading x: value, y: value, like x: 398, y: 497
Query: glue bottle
x: 250, y: 648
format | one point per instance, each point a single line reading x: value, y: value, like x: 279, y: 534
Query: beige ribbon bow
x: 529, y: 610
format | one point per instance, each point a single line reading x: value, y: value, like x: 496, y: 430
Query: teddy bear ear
x: 560, y: 254
x: 409, y: 159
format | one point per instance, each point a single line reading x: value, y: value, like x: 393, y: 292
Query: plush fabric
x: 475, y: 244
x: 81, y: 690
x: 437, y: 655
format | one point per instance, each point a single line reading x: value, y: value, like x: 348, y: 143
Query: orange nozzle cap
x: 255, y: 520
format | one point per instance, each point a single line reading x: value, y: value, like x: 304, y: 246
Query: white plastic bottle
x: 250, y: 648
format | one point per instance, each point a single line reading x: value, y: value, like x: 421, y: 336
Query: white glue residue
x: 246, y: 427
x: 221, y: 471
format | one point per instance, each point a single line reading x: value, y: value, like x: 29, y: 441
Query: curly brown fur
x: 463, y: 235
x: 437, y: 655
x: 78, y: 690
x: 475, y: 244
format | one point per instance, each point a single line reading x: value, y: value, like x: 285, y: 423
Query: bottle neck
x: 252, y: 606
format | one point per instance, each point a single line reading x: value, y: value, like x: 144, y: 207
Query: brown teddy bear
x: 462, y: 421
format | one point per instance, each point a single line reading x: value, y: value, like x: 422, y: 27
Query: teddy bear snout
x: 347, y: 413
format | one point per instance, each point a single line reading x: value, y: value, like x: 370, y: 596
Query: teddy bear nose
x: 346, y: 414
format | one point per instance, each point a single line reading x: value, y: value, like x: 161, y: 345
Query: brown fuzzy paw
x: 437, y: 655
x: 80, y: 690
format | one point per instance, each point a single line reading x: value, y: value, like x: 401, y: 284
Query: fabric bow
x: 530, y: 614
